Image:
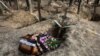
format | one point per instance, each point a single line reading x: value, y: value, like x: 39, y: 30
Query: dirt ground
x: 82, y: 36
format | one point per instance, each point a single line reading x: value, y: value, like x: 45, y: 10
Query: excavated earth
x: 82, y: 39
x: 82, y: 36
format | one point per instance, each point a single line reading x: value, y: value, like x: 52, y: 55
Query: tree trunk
x: 87, y: 1
x: 79, y: 5
x: 10, y: 3
x: 39, y: 9
x: 70, y: 2
x: 27, y: 2
x: 1, y: 12
x: 17, y: 6
x: 30, y: 6
x: 96, y: 2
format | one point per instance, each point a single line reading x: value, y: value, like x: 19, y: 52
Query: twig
x: 58, y: 23
x: 92, y: 31
x: 5, y: 6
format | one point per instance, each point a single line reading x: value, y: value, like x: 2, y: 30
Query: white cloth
x: 24, y: 41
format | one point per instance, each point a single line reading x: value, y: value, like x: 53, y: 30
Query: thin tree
x: 39, y: 10
x: 70, y: 2
x: 29, y: 5
x: 79, y: 5
x: 96, y: 3
x: 87, y: 1
x: 9, y: 1
x: 17, y: 6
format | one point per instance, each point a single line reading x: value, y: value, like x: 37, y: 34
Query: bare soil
x: 82, y: 36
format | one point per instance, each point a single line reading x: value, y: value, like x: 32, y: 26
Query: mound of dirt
x: 19, y: 19
x: 82, y: 39
x: 9, y: 41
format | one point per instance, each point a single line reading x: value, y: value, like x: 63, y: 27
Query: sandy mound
x: 82, y: 39
x: 19, y: 19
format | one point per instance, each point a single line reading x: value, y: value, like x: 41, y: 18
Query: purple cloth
x: 43, y: 39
